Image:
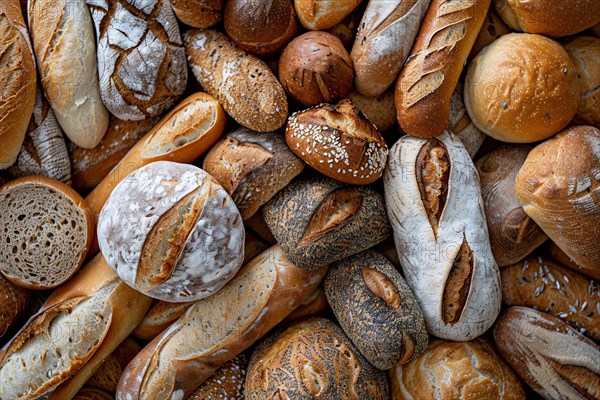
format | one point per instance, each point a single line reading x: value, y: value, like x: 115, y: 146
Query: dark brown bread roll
x: 550, y: 356
x: 376, y: 309
x: 319, y: 221
x: 546, y: 286
x: 13, y: 302
x: 252, y: 166
x: 312, y: 359
x: 260, y: 27
x: 198, y: 13
x: 227, y: 383
x: 315, y: 68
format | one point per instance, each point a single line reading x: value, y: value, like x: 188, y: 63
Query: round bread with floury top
x: 338, y: 141
x: 172, y: 232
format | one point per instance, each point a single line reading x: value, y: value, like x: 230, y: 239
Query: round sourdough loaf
x: 522, y: 88
x: 172, y: 232
x: 46, y: 229
x: 585, y: 53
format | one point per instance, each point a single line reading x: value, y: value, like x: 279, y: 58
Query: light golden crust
x: 160, y: 316
x: 585, y: 54
x: 198, y: 13
x: 318, y: 15
x: 558, y: 255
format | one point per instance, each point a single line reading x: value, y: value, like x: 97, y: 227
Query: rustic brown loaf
x: 252, y: 166
x: 383, y: 42
x: 142, y: 73
x: 13, y: 302
x: 107, y: 375
x: 546, y: 286
x: 62, y: 33
x: 330, y: 221
x: 562, y: 18
x: 312, y: 359
x: 376, y: 309
x: 596, y: 29
x: 513, y: 234
x: 318, y: 15
x: 315, y: 304
x: 507, y: 102
x: 18, y: 81
x: 198, y: 13
x: 438, y: 56
x: 80, y: 324
x: 46, y: 230
x: 260, y: 27
x: 172, y: 232
x: 585, y: 54
x: 561, y: 196
x: 44, y: 151
x: 227, y: 383
x: 551, y: 357
x: 493, y: 27
x: 338, y: 141
x: 461, y: 125
x: 315, y: 68
x: 89, y: 393
x: 563, y: 259
x: 450, y: 370
x: 242, y: 83
x: 380, y: 110
x: 218, y: 328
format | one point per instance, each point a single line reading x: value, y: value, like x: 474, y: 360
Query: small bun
x: 585, y: 54
x: 554, y: 19
x: 522, y: 88
x: 316, y: 68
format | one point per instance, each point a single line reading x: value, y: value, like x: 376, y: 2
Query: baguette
x: 62, y: 33
x: 438, y: 56
x: 218, y: 328
x: 383, y: 42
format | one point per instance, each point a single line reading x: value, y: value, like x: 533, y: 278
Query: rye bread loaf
x: 62, y: 33
x: 198, y: 13
x: 226, y: 383
x: 312, y: 359
x: 218, y: 328
x: 172, y: 232
x: 13, y: 303
x: 242, y: 83
x: 320, y: 221
x: 434, y: 203
x: 141, y: 59
x: 376, y: 309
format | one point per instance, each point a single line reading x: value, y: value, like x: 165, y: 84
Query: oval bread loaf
x: 493, y: 27
x: 198, y: 13
x: 315, y: 304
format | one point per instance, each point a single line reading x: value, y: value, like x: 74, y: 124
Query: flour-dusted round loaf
x: 376, y: 309
x: 585, y: 54
x: 46, y: 230
x: 172, y: 232
x: 312, y: 359
x: 141, y: 59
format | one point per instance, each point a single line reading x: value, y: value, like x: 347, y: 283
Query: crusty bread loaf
x: 312, y: 359
x: 46, y: 230
x: 338, y: 141
x: 380, y: 110
x: 257, y: 225
x: 513, y: 234
x: 218, y: 328
x: 198, y: 13
x: 62, y: 33
x: 330, y: 221
x: 186, y: 132
x: 561, y: 195
x: 562, y: 18
x: 260, y: 27
x: 433, y: 200
x: 376, y: 309
x: 141, y: 60
x: 80, y: 324
x: 107, y: 375
x: 243, y: 84
x: 461, y: 125
x: 383, y: 42
x: 17, y: 78
x: 315, y: 304
x: 319, y: 15
x: 252, y: 166
x: 44, y: 151
x: 13, y: 302
x: 227, y: 383
x: 506, y: 100
x: 557, y: 254
x: 551, y: 357
x: 493, y: 27
x: 585, y: 54
x: 315, y: 68
x: 172, y: 232
x: 88, y: 393
x: 438, y: 56
x: 450, y: 370
x: 546, y: 286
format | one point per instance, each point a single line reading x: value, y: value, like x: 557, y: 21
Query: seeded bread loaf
x: 226, y: 383
x: 198, y: 13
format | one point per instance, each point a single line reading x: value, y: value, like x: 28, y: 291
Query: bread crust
x: 198, y: 13
x: 316, y: 15
x: 585, y: 54
x: 13, y: 303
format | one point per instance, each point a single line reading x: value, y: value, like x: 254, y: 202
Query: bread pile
x: 299, y: 199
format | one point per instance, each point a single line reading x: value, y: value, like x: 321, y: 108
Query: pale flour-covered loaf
x: 141, y: 60
x: 436, y: 211
x: 63, y: 39
x: 172, y: 232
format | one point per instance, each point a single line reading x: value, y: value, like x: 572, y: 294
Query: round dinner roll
x: 522, y: 88
x: 585, y: 54
x: 170, y: 231
x: 549, y: 18
x: 46, y: 230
